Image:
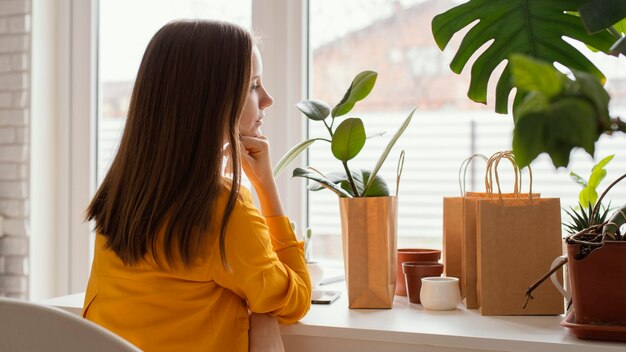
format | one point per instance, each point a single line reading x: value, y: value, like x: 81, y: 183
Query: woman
x: 182, y: 254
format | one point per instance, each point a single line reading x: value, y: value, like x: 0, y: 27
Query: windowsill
x: 408, y: 327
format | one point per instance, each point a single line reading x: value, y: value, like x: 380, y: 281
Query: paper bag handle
x: 492, y: 168
x: 463, y: 170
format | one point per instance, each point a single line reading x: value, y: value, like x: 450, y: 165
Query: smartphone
x: 324, y: 296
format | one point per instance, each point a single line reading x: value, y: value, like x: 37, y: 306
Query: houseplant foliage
x: 368, y: 213
x: 582, y: 217
x: 550, y: 103
x: 552, y: 112
x: 346, y: 141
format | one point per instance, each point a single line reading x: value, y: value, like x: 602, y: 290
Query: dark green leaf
x: 316, y: 110
x: 299, y: 172
x: 566, y: 124
x: 349, y: 139
x: 590, y: 87
x: 361, y: 86
x: 378, y: 189
x: 533, y: 27
x: 599, y: 15
x: 334, y: 177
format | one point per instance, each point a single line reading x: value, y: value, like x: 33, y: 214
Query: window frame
x: 65, y: 271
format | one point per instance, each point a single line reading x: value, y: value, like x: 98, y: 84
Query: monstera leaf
x: 533, y: 27
x: 558, y: 114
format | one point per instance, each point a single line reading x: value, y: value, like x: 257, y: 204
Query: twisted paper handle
x: 492, y: 169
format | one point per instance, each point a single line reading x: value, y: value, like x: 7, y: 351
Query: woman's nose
x: 267, y: 101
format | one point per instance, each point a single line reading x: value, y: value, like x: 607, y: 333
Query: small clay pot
x: 412, y: 255
x: 413, y: 274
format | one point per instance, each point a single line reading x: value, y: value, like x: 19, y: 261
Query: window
x: 394, y: 39
x: 122, y: 41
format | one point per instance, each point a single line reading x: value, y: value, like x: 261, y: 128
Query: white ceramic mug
x: 316, y: 272
x: 440, y: 293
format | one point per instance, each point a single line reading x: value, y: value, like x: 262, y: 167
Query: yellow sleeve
x: 267, y: 264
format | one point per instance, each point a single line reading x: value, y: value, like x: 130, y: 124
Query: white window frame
x: 283, y: 26
x: 64, y: 111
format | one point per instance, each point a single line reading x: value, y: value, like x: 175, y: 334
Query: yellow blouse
x: 204, y: 308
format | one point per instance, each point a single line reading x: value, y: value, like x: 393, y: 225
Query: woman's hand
x: 256, y: 161
x: 257, y: 165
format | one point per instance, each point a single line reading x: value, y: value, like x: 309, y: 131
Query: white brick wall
x: 15, y: 37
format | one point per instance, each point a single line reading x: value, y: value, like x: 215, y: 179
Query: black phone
x: 324, y: 296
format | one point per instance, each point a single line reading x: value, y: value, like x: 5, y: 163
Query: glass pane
x: 126, y: 27
x: 394, y: 38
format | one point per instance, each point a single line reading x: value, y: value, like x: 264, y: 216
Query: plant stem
x: 330, y: 131
x: 345, y: 163
x: 532, y: 287
x: 597, y: 207
x: 352, y: 184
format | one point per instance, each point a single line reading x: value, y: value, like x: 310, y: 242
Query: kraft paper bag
x: 453, y: 227
x: 369, y: 230
x: 452, y: 238
x: 469, y: 246
x: 517, y: 238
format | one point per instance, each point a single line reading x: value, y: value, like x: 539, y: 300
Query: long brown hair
x: 167, y: 175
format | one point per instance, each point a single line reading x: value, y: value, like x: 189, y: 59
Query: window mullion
x: 283, y: 28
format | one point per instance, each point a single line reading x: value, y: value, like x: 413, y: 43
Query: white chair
x: 26, y: 327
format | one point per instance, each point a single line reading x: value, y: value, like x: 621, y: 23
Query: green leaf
x: 581, y: 181
x: 293, y: 153
x: 566, y: 124
x: 387, y: 150
x: 620, y: 26
x: 361, y: 86
x: 587, y: 197
x: 348, y: 139
x: 315, y: 110
x: 595, y: 178
x: 299, y: 172
x: 590, y: 87
x: 533, y: 27
x: 531, y: 74
x: 544, y: 131
x: 377, y: 188
x: 334, y: 177
x: 602, y: 163
x: 599, y: 15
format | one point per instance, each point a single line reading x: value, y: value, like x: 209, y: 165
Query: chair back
x: 26, y: 326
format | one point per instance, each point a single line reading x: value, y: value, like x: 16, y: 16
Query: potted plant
x: 553, y: 113
x: 368, y: 211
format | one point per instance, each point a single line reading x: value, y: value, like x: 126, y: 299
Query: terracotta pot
x: 412, y: 255
x: 413, y: 274
x: 598, y: 283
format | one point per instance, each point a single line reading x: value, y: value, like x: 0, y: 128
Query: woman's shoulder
x: 244, y: 198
